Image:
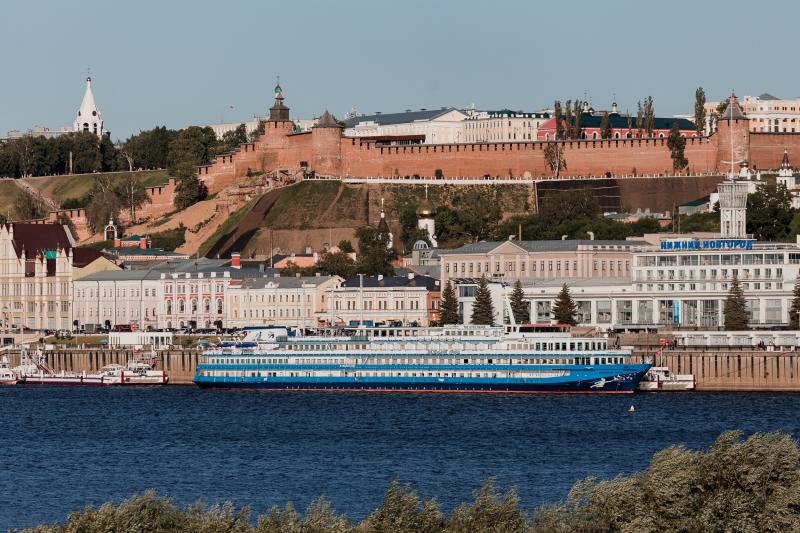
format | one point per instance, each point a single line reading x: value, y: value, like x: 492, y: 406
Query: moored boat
x: 659, y: 378
x: 446, y: 359
x: 8, y: 376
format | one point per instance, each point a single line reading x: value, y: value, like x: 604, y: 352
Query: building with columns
x: 89, y: 118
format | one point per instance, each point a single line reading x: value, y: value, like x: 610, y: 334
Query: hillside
x: 76, y: 186
x: 316, y: 213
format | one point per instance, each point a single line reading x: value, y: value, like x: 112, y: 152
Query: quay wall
x: 180, y: 365
x: 714, y: 370
x: 733, y: 370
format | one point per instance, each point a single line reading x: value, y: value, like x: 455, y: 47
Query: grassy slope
x: 306, y: 205
x: 225, y: 227
x: 61, y: 188
x: 8, y: 193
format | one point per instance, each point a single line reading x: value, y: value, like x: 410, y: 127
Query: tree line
x: 736, y: 484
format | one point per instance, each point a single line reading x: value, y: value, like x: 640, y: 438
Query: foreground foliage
x: 749, y: 486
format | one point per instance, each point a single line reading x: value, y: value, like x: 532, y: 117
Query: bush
x: 169, y: 239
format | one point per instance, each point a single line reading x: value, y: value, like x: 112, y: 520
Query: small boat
x: 137, y: 372
x: 659, y: 378
x: 35, y: 371
x: 8, y: 376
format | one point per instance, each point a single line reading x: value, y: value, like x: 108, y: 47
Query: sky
x: 176, y: 63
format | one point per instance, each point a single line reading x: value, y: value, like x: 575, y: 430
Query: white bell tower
x: 89, y: 119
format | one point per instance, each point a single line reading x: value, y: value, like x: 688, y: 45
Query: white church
x: 89, y: 118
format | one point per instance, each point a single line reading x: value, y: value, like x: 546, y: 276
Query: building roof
x: 767, y: 96
x: 539, y: 246
x: 122, y: 275
x: 732, y: 111
x: 385, y: 119
x: 35, y: 239
x: 428, y: 283
x: 84, y: 256
x: 286, y: 282
x: 327, y: 121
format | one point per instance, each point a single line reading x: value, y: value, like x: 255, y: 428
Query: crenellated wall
x: 325, y: 151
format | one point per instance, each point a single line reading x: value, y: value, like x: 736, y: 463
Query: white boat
x: 136, y: 373
x: 34, y: 371
x: 8, y: 376
x: 659, y: 378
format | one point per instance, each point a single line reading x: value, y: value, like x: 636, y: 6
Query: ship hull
x: 622, y: 383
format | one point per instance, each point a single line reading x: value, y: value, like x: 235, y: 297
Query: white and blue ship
x: 400, y: 359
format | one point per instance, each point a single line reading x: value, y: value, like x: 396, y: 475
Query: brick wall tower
x: 733, y: 137
x: 326, y: 142
x: 279, y: 124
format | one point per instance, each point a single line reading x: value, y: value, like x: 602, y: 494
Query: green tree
x: 564, y: 309
x: 519, y: 306
x: 735, y: 309
x: 191, y: 147
x: 649, y: 116
x: 346, y: 246
x: 639, y: 119
x: 232, y: 139
x: 337, y: 264
x: 258, y: 132
x: 700, y: 110
x: 29, y: 206
x: 794, y: 310
x: 482, y: 307
x: 559, y: 133
x: 131, y: 193
x: 104, y: 203
x: 65, y: 220
x: 677, y: 145
x: 449, y: 305
x: 189, y: 191
x: 554, y: 158
x: 374, y: 253
x: 605, y: 126
x: 769, y: 212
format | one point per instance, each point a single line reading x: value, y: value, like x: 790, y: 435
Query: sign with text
x: 708, y: 244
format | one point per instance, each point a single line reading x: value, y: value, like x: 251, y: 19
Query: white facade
x: 88, y: 118
x: 442, y: 128
x: 293, y: 302
x: 151, y: 299
x: 679, y: 287
x: 379, y: 304
x: 505, y: 125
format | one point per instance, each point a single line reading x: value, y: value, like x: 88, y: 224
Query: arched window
x: 86, y: 127
x: 169, y: 307
x: 594, y: 135
x: 207, y: 305
x: 616, y: 135
x: 194, y: 305
x: 219, y: 306
x: 628, y: 135
x: 181, y: 307
x: 546, y: 136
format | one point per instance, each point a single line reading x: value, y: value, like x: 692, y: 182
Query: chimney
x: 236, y: 260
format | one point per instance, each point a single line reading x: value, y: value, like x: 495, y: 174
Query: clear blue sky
x: 179, y: 63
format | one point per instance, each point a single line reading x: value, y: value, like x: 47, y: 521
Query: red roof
x: 36, y: 238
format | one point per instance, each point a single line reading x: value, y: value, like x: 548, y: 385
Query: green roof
x: 767, y: 96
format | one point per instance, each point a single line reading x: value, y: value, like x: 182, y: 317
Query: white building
x: 285, y: 301
x: 88, y: 118
x: 385, y: 299
x: 426, y: 126
x: 504, y: 125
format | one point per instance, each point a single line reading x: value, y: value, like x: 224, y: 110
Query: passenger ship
x: 526, y: 359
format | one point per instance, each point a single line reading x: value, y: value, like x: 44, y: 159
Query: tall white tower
x: 426, y: 219
x: 88, y: 118
x: 733, y: 208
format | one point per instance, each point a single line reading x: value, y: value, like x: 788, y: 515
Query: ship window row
x: 616, y: 360
x: 407, y: 374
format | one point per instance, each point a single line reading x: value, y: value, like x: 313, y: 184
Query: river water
x: 65, y: 448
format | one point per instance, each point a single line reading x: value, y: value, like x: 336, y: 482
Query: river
x: 65, y: 448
